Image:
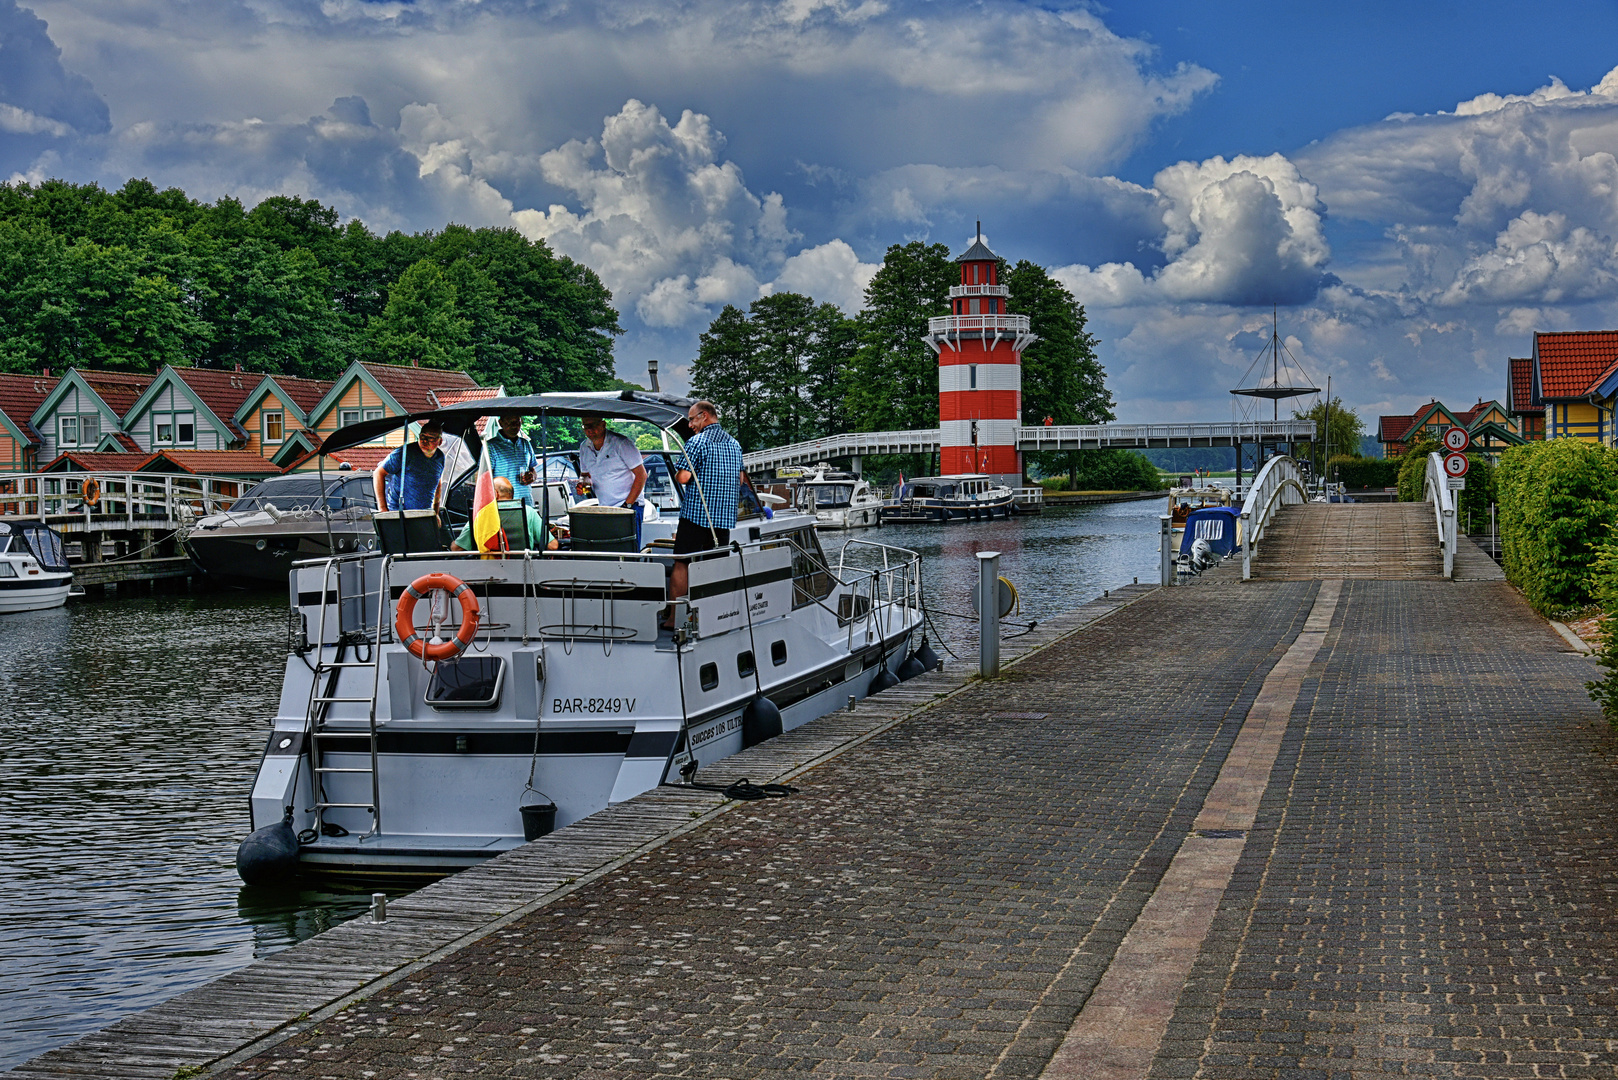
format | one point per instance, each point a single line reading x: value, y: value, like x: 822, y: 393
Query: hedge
x: 1558, y: 502
x: 1362, y: 474
x: 1413, y: 471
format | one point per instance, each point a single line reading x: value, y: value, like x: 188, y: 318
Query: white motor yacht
x: 838, y: 500
x: 34, y: 573
x: 524, y: 692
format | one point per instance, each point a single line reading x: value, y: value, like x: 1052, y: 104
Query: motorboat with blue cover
x: 438, y: 708
x: 34, y: 572
x: 1212, y: 534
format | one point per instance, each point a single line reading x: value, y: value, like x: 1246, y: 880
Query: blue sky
x: 1419, y: 187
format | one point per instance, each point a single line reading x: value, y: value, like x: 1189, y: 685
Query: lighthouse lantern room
x: 979, y: 349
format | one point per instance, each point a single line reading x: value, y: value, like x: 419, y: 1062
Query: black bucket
x: 538, y: 819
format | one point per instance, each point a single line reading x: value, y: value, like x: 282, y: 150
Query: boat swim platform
x: 1336, y: 827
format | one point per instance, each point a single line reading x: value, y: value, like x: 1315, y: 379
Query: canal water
x: 132, y: 728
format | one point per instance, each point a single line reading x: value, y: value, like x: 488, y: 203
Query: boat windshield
x: 303, y: 493
x: 659, y: 490
x: 826, y: 495
x: 45, y: 543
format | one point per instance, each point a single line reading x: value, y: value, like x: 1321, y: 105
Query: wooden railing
x: 143, y: 500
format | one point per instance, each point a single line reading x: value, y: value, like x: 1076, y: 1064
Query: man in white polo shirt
x: 613, y: 466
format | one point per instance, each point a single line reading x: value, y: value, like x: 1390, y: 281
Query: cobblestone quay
x: 1280, y: 829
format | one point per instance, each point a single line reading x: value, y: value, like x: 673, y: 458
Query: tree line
x: 134, y: 279
x: 787, y: 370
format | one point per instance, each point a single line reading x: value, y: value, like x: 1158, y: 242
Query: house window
x: 174, y: 429
x: 69, y: 430
x: 274, y: 431
x: 89, y: 428
x: 347, y: 417
x: 373, y: 414
x: 972, y: 306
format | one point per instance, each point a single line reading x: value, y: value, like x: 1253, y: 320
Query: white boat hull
x: 49, y: 591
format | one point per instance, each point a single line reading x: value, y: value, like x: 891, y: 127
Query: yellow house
x: 1575, y: 377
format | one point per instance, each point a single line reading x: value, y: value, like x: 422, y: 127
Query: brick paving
x: 936, y: 902
x: 1427, y: 888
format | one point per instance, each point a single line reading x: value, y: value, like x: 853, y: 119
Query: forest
x: 137, y: 278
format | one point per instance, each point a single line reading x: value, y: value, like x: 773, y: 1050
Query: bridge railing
x: 1437, y: 492
x: 1101, y: 436
x: 132, y: 499
x: 1279, y: 483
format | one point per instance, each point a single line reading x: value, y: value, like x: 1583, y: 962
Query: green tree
x: 1346, y: 430
x: 895, y: 373
x: 782, y: 340
x: 1061, y: 377
x: 422, y: 322
x: 271, y: 311
x: 828, y: 369
x: 726, y: 373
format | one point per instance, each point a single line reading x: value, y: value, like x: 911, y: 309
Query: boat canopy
x: 42, y: 541
x: 665, y: 410
x: 1215, y: 524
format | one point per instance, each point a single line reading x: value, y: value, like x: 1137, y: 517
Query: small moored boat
x: 838, y: 500
x: 34, y: 573
x: 966, y: 497
x: 281, y: 520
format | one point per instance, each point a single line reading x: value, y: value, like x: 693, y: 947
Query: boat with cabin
x: 34, y: 572
x: 838, y: 500
x: 964, y: 497
x: 438, y: 708
x: 281, y: 520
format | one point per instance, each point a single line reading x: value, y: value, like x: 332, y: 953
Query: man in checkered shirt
x: 710, y: 478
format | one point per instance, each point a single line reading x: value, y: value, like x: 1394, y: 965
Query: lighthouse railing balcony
x: 956, y: 292
x: 1004, y: 325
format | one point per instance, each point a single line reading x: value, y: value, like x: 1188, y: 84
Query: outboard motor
x: 269, y: 856
x: 1203, y: 555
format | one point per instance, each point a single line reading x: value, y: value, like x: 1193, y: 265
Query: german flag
x: 486, y: 529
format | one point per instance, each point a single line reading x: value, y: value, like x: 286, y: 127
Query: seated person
x: 508, y: 505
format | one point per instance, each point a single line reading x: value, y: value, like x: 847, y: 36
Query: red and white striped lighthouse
x: 979, y: 349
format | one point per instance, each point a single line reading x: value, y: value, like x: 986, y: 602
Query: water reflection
x: 133, y: 727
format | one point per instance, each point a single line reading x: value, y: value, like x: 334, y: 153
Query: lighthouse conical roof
x: 978, y: 252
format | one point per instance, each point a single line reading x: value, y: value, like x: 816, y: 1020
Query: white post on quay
x: 989, y: 613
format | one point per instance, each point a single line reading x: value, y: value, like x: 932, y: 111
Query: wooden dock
x: 273, y: 999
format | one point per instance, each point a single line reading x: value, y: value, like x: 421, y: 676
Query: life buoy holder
x: 404, y: 622
x: 91, y: 492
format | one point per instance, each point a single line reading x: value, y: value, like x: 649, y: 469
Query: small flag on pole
x: 486, y: 529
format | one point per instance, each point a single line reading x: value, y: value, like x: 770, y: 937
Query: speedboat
x: 280, y: 520
x: 34, y: 574
x: 525, y: 691
x: 964, y: 497
x: 838, y: 500
x: 1185, y: 500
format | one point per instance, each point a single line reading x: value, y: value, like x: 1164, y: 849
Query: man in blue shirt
x: 512, y: 456
x: 709, y: 473
x: 408, y: 478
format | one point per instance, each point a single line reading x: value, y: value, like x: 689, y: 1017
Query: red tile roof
x: 128, y: 442
x: 1569, y: 364
x: 119, y: 389
x: 461, y: 396
x: 219, y: 462
x: 1393, y: 428
x: 305, y: 393
x: 21, y: 395
x: 360, y: 458
x: 414, y: 387
x: 220, y: 390
x: 1520, y: 386
x: 99, y: 462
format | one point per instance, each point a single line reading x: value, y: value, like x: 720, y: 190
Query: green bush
x: 1604, y: 585
x: 1361, y: 474
x: 1413, y: 471
x: 1473, y: 504
x: 1558, y: 500
x: 1109, y: 470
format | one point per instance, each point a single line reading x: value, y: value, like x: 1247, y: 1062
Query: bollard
x: 1168, y: 555
x: 379, y: 907
x: 989, y: 613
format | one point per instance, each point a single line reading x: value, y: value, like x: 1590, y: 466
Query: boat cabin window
x: 7, y: 570
x: 708, y: 674
x: 811, y: 580
x: 822, y: 496
x: 471, y: 682
x: 45, y: 544
x: 660, y: 489
x: 5, y: 543
x: 946, y: 490
x: 303, y: 493
x: 778, y: 653
x: 745, y: 664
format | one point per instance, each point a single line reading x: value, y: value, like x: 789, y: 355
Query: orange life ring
x: 404, y: 622
x: 91, y: 492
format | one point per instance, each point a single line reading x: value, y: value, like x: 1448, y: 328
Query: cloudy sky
x: 1418, y: 186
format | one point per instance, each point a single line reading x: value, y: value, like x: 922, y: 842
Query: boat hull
x: 941, y: 512
x: 50, y: 591
x: 263, y: 555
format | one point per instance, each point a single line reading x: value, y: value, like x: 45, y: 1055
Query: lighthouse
x: 980, y: 349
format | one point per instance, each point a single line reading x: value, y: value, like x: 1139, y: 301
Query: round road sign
x: 1457, y: 439
x: 1456, y: 464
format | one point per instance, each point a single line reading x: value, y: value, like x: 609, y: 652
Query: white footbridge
x: 856, y: 445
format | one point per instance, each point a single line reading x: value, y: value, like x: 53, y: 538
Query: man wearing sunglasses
x: 408, y: 478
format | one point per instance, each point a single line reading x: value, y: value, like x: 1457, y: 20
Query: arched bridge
x: 1037, y: 438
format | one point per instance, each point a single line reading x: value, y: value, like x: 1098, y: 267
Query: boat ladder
x: 324, y: 685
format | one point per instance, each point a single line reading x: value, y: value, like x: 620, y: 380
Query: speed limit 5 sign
x: 1456, y: 464
x: 1456, y: 439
